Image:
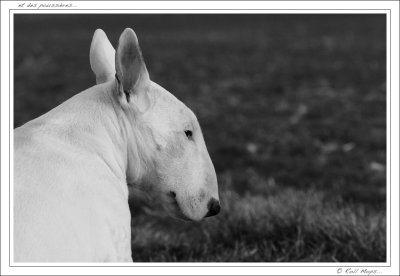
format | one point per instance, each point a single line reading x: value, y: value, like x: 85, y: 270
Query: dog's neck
x: 94, y: 122
x: 116, y: 135
x: 134, y: 139
x: 109, y: 134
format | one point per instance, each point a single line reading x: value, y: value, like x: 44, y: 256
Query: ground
x: 293, y: 110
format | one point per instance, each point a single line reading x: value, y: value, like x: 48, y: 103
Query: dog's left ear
x: 131, y: 73
x: 102, y: 56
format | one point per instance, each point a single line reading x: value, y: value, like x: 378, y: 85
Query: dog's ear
x: 131, y: 73
x: 102, y: 57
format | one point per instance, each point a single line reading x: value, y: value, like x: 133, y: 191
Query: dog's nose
x: 213, y: 207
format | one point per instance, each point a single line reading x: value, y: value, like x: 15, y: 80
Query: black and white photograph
x: 203, y: 138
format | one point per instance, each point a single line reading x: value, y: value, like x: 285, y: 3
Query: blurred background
x: 293, y: 111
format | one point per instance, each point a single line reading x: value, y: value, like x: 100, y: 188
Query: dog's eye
x: 189, y: 134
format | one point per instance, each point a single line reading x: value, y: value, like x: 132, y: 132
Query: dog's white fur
x: 72, y: 164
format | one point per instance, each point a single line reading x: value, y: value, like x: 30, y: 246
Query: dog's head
x: 167, y: 155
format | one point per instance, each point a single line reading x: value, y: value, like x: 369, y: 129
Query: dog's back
x: 61, y: 188
x: 40, y: 225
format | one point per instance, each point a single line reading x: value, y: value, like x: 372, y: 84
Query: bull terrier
x: 73, y: 165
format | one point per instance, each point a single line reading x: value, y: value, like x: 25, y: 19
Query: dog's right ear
x: 131, y: 73
x: 102, y: 57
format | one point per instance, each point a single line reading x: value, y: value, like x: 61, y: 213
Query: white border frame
x: 391, y: 8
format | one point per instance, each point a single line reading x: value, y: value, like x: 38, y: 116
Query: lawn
x: 293, y: 111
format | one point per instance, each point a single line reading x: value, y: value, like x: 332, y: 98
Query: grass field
x: 293, y: 110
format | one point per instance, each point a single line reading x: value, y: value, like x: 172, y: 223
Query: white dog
x: 72, y: 166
